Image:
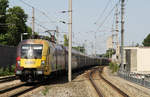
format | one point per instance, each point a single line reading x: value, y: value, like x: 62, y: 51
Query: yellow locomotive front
x: 32, y: 60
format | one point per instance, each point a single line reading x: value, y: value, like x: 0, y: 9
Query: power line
x: 103, y: 11
x: 41, y: 26
x: 107, y: 16
x: 26, y: 3
x: 42, y: 12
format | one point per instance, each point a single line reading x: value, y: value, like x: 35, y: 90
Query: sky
x: 88, y: 15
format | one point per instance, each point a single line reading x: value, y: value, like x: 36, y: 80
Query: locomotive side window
x: 31, y: 51
x: 48, y: 52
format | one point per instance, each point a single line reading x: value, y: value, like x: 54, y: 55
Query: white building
x: 109, y: 42
x: 137, y: 59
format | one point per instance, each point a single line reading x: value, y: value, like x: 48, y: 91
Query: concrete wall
x: 133, y: 65
x: 137, y: 59
x: 7, y: 56
x: 143, y: 59
x: 128, y: 60
x: 131, y: 60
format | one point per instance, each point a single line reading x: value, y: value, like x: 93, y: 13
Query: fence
x: 7, y: 56
x: 139, y: 79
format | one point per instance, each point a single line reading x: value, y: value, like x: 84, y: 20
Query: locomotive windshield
x: 31, y: 51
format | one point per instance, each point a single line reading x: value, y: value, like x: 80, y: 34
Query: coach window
x: 48, y: 52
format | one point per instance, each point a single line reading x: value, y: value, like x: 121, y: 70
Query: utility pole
x: 115, y: 40
x: 70, y: 41
x: 122, y: 32
x: 57, y: 34
x: 95, y: 44
x: 117, y: 31
x: 113, y: 35
x: 33, y: 20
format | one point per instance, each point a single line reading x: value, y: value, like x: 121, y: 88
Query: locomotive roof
x: 33, y: 41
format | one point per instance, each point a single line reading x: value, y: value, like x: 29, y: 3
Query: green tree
x: 146, y: 41
x: 12, y: 24
x: 3, y: 39
x: 29, y: 31
x: 16, y: 18
x: 109, y: 53
x: 3, y: 9
x: 65, y: 40
x: 137, y: 45
x: 80, y: 48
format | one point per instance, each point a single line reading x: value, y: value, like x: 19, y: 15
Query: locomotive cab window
x: 31, y: 51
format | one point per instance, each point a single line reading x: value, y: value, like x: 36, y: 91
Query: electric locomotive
x: 33, y: 59
x: 37, y: 59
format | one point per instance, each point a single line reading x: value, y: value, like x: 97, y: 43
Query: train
x: 38, y: 58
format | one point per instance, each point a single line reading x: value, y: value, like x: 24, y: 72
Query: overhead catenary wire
x: 41, y: 26
x: 26, y: 3
x: 42, y: 12
x: 103, y: 22
x: 37, y: 23
x: 103, y: 12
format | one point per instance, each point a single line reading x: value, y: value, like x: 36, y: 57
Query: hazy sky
x: 85, y: 14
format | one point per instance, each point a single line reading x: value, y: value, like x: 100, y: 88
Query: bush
x: 111, y: 65
x: 7, y: 71
x: 114, y: 67
x: 45, y: 91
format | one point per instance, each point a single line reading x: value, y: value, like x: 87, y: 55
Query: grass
x: 114, y: 67
x: 45, y: 91
x: 7, y: 71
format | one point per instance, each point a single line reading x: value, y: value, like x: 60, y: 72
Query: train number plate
x: 29, y: 62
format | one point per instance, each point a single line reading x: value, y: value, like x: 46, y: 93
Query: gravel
x: 132, y: 89
x: 11, y: 83
x: 79, y: 87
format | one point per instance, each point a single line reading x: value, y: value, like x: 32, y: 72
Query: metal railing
x: 139, y: 79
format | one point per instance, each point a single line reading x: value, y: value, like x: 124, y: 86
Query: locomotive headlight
x: 18, y: 62
x: 43, y: 63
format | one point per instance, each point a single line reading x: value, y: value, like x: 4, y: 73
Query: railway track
x: 8, y: 78
x: 18, y: 89
x: 109, y: 83
x: 94, y: 84
x: 22, y: 88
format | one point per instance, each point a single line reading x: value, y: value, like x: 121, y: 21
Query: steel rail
x: 9, y: 78
x: 19, y: 89
x: 93, y: 83
x: 25, y: 91
x: 7, y: 89
x: 113, y: 86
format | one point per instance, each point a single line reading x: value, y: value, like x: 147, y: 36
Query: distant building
x: 109, y: 43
